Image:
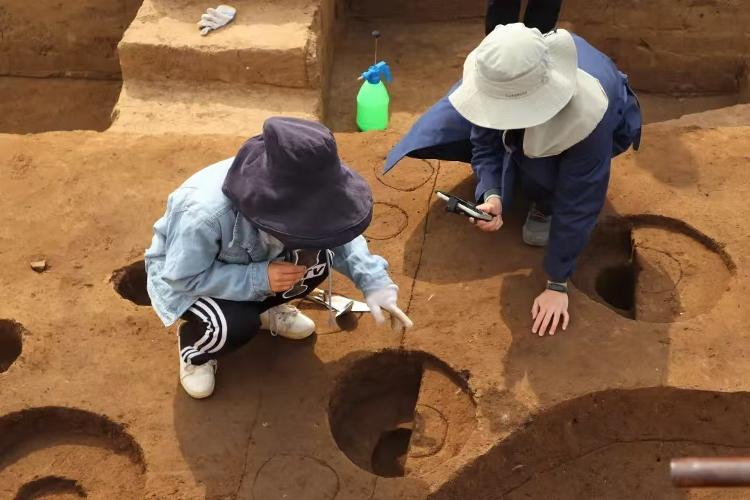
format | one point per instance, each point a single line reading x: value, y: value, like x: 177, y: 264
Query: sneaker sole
x: 300, y: 336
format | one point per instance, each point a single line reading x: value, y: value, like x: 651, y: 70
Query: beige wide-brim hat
x: 518, y: 78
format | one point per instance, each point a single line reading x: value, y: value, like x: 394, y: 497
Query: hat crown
x: 511, y: 60
x: 299, y: 147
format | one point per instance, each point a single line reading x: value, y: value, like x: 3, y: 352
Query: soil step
x: 443, y: 420
x: 149, y: 107
x: 269, y: 42
x: 732, y: 116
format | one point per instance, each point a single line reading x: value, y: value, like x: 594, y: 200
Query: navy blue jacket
x: 576, y: 179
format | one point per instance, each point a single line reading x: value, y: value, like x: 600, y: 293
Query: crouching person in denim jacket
x: 244, y: 236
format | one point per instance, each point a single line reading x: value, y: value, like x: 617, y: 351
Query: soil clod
x: 39, y: 266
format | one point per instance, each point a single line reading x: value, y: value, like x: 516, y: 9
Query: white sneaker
x: 198, y: 380
x: 287, y: 321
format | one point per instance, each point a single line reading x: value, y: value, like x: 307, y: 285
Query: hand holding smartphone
x: 462, y: 207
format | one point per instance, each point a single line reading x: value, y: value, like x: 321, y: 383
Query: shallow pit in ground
x: 400, y: 413
x: 56, y: 487
x: 653, y: 268
x: 130, y: 283
x: 610, y: 444
x: 11, y: 342
x: 51, y: 451
x: 32, y: 105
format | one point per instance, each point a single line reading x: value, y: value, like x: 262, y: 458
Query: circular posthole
x: 80, y: 453
x: 296, y: 476
x: 410, y: 174
x: 400, y: 413
x: 11, y: 342
x: 616, y: 286
x: 51, y: 487
x: 652, y: 268
x: 389, y: 455
x: 130, y: 283
x: 388, y: 221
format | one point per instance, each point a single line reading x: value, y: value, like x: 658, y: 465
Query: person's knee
x: 244, y: 328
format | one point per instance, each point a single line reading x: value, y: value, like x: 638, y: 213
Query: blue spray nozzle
x: 377, y: 71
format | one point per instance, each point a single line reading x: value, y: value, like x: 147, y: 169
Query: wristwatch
x: 557, y: 286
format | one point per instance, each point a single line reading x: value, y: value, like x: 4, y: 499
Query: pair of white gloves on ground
x: 387, y: 299
x: 214, y: 19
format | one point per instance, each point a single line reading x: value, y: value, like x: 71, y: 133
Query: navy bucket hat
x: 290, y: 182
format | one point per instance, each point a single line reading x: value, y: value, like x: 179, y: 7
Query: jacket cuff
x: 376, y: 282
x: 491, y: 193
x: 259, y: 278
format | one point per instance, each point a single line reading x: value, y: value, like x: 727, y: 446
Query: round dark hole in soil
x: 389, y: 455
x: 50, y: 486
x: 616, y: 286
x: 78, y: 453
x: 11, y: 342
x: 130, y: 283
x: 375, y: 417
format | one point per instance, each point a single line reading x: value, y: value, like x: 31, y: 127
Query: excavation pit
x: 51, y: 487
x: 376, y: 410
x: 616, y: 286
x: 653, y: 268
x: 610, y: 444
x: 11, y: 342
x: 80, y: 453
x: 389, y: 455
x: 59, y: 68
x: 130, y: 283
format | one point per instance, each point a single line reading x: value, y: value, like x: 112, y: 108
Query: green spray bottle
x: 373, y: 99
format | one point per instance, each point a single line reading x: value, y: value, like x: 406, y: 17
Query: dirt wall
x: 674, y: 46
x: 684, y: 46
x: 51, y: 38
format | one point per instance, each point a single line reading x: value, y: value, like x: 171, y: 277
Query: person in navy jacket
x: 548, y: 112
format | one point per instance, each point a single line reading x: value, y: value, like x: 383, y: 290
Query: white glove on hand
x: 214, y: 19
x: 387, y: 298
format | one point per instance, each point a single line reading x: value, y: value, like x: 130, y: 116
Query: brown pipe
x: 710, y: 471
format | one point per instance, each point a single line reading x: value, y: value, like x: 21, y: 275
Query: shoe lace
x: 190, y: 367
x: 280, y: 315
x: 538, y: 215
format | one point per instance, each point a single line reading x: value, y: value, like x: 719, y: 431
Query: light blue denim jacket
x: 203, y: 247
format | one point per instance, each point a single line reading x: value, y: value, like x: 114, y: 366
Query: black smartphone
x: 462, y: 207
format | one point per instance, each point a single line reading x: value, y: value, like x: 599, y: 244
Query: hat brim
x: 326, y: 219
x: 531, y: 109
x: 576, y: 121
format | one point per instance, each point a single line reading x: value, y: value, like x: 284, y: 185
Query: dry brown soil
x: 469, y: 404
